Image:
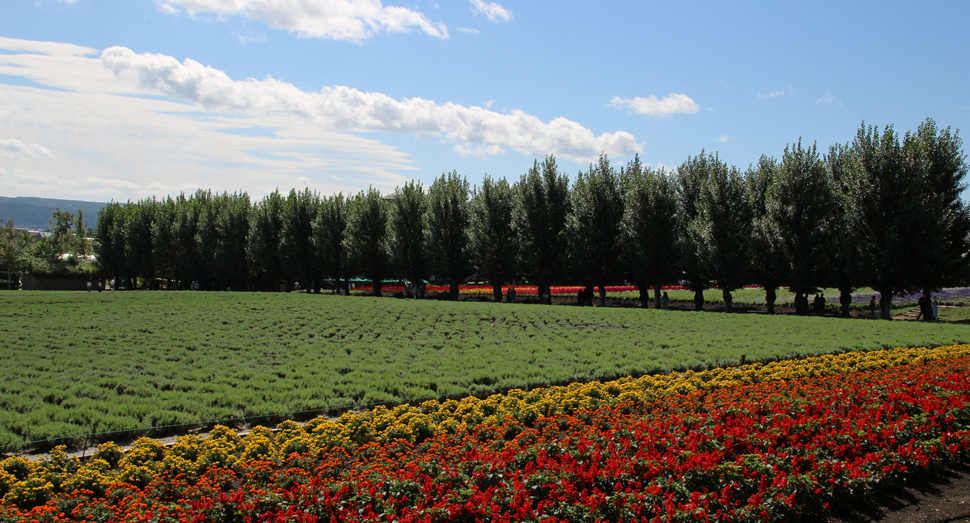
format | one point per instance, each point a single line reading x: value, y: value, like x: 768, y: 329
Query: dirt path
x: 943, y: 499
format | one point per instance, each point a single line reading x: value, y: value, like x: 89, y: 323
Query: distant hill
x: 35, y: 213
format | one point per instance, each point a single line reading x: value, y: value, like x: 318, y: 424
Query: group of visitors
x: 929, y: 308
x: 818, y: 304
x: 414, y: 290
x: 584, y: 297
x: 100, y: 285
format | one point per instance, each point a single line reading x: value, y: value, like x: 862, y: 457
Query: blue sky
x: 111, y: 99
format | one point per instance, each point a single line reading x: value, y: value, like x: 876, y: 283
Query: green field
x: 75, y: 363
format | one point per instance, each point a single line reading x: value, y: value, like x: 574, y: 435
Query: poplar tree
x: 232, y: 224
x: 800, y: 206
x: 448, y: 221
x: 844, y: 267
x: 206, y: 239
x: 80, y: 232
x: 164, y: 253
x: 493, y: 240
x: 139, y: 242
x: 542, y: 210
x: 367, y: 221
x: 409, y: 246
x: 595, y: 223
x: 691, y: 177
x: 329, y: 240
x: 937, y: 163
x: 263, y: 245
x: 649, y: 226
x: 767, y: 262
x: 721, y: 230
x: 188, y: 265
x: 883, y: 195
x: 109, y: 252
x: 296, y: 238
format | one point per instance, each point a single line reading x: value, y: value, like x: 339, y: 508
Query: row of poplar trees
x: 883, y: 211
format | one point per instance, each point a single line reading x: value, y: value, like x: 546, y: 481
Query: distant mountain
x: 35, y: 213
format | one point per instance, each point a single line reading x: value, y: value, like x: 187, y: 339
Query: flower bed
x: 763, y: 442
x: 521, y: 290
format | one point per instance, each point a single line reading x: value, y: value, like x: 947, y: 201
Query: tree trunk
x: 378, y: 285
x: 602, y: 295
x: 886, y: 305
x: 698, y: 299
x: 497, y: 292
x: 657, y: 288
x: 800, y: 304
x: 845, y: 299
x: 644, y: 296
x: 453, y: 291
x: 726, y: 294
x: 770, y: 297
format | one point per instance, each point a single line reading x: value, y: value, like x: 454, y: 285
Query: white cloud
x: 469, y: 30
x: 723, y: 138
x: 18, y: 149
x: 114, y: 142
x: 776, y: 93
x: 172, y: 127
x: 479, y: 151
x: 168, y: 9
x: 492, y: 10
x: 342, y: 108
x: 352, y: 20
x: 246, y: 37
x: 671, y: 104
x: 829, y: 99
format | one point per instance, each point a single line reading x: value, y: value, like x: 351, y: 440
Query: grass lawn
x: 955, y: 315
x: 76, y: 362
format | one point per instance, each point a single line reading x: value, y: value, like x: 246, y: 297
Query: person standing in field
x: 925, y: 308
x: 89, y: 284
x: 872, y: 306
